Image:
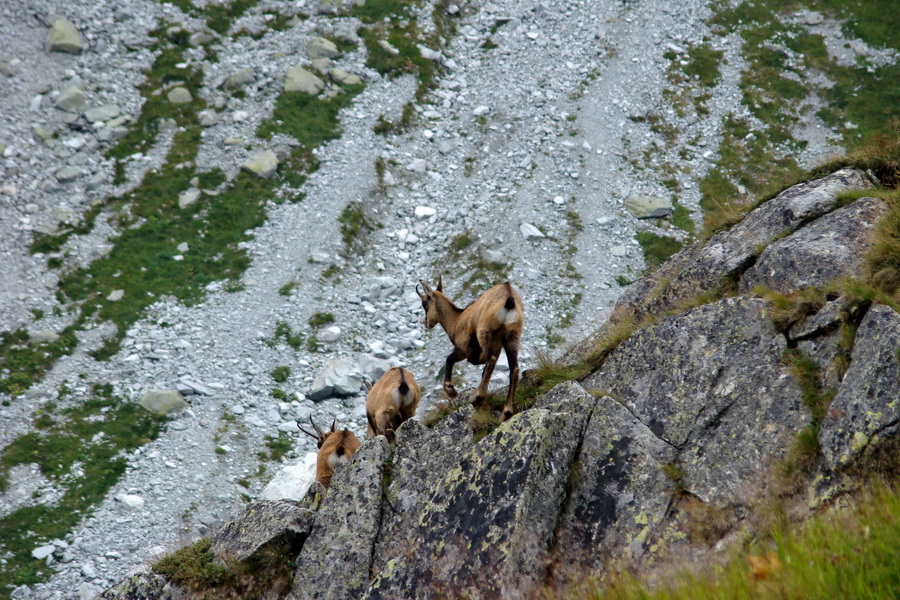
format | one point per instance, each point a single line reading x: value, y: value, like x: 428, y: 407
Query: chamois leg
x: 454, y: 358
x: 512, y: 356
x: 485, y: 379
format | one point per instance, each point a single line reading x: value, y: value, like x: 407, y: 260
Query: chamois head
x: 427, y: 295
x: 319, y: 435
x: 335, y: 449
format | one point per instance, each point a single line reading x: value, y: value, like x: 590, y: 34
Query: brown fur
x: 335, y: 447
x: 383, y: 411
x: 478, y: 334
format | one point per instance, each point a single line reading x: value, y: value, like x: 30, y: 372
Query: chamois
x: 335, y: 449
x: 391, y: 401
x: 478, y: 332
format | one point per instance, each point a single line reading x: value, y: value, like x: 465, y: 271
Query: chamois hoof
x: 478, y: 401
x: 451, y: 392
x: 506, y: 416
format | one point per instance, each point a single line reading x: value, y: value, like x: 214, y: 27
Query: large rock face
x: 711, y: 383
x: 729, y: 253
x: 263, y: 524
x: 494, y: 512
x: 337, y: 557
x: 830, y: 247
x: 866, y: 410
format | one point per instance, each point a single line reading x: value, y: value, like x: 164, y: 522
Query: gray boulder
x: 71, y: 99
x: 830, y: 247
x: 865, y: 411
x: 239, y: 79
x: 337, y: 556
x: 262, y: 164
x: 340, y: 377
x: 263, y: 524
x: 179, y: 95
x: 163, y: 402
x: 648, y: 207
x: 319, y: 47
x: 63, y: 37
x: 45, y: 336
x: 102, y: 113
x: 494, y: 513
x: 711, y: 382
x: 299, y: 79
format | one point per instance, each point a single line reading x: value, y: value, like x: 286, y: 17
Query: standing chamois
x: 335, y: 449
x: 478, y: 332
x: 391, y: 401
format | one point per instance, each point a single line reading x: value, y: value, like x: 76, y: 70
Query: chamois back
x: 391, y: 401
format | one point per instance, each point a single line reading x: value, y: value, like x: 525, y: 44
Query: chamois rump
x: 478, y: 332
x: 391, y: 401
x: 335, y: 449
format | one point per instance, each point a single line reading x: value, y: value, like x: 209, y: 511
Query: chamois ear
x: 368, y: 386
x: 333, y: 423
x: 440, y: 286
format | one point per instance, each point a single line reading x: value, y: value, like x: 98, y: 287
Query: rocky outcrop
x: 828, y: 248
x: 695, y: 408
x: 261, y: 525
x: 865, y: 413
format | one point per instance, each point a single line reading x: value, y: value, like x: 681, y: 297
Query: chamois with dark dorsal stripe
x: 492, y: 323
x: 335, y: 449
x: 391, y: 401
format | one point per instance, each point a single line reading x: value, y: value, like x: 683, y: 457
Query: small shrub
x: 281, y: 374
x: 321, y: 319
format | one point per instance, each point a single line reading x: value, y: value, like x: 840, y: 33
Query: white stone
x: 531, y: 232
x: 188, y: 197
x: 43, y: 552
x: 618, y: 250
x: 419, y: 165
x: 115, y: 295
x: 131, y: 501
x: 331, y: 334
x: 179, y: 95
x: 425, y: 211
x: 292, y: 481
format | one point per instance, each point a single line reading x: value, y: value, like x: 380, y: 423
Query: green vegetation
x: 703, y: 64
x: 681, y: 218
x: 269, y: 574
x: 843, y: 553
x: 281, y: 374
x: 279, y: 447
x: 806, y: 449
x: 288, y: 288
x: 219, y: 17
x: 462, y: 241
x: 284, y: 332
x: 22, y: 362
x: 320, y: 319
x: 657, y: 248
x: 354, y: 225
x: 82, y: 450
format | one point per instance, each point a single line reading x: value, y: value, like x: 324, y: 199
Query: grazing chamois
x: 478, y: 332
x: 391, y: 401
x: 335, y: 449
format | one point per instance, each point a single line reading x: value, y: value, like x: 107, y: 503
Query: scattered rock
x: 299, y: 79
x: 530, y: 232
x: 71, y: 99
x: 44, y: 336
x: 115, y: 295
x: 179, y: 95
x: 104, y: 113
x: 424, y: 212
x: 131, y: 501
x: 43, y: 552
x: 63, y: 37
x: 648, y: 207
x: 340, y: 377
x: 163, y: 402
x: 292, y: 481
x: 188, y: 198
x: 262, y: 164
x: 69, y: 174
x: 319, y: 47
x: 239, y: 79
